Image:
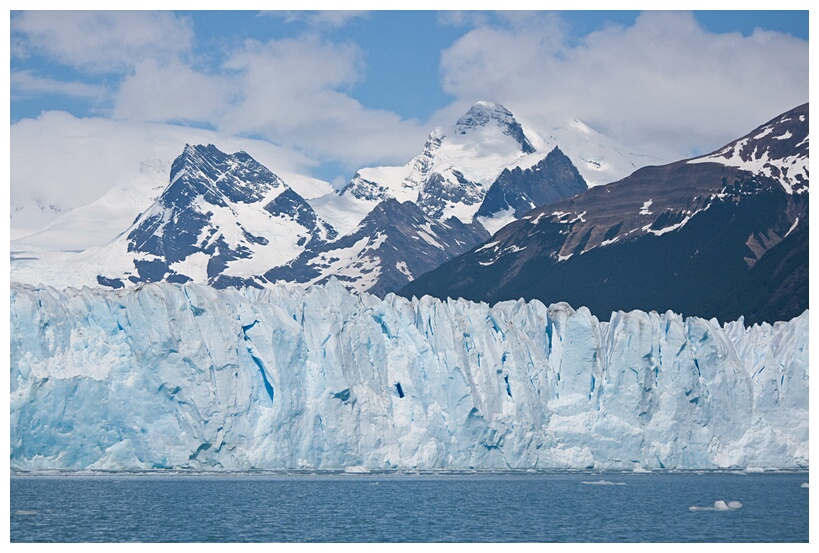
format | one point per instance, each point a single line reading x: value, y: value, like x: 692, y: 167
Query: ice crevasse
x: 186, y: 376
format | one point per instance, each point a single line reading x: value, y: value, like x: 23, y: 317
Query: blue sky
x: 355, y: 89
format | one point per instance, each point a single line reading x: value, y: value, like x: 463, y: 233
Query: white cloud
x: 25, y: 83
x: 462, y: 18
x: 318, y: 19
x: 171, y: 92
x: 292, y: 92
x: 100, y: 41
x: 664, y: 84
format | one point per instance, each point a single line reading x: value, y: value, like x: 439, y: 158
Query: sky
x: 347, y: 90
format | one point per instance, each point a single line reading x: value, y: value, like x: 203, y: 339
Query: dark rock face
x: 437, y: 193
x: 393, y: 244
x: 698, y: 238
x: 554, y: 177
x: 363, y: 189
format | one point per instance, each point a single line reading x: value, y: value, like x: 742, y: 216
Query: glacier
x: 169, y: 376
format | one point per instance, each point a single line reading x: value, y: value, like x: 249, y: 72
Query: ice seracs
x: 188, y: 376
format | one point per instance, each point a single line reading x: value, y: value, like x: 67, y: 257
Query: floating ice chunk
x: 603, y: 483
x: 719, y: 505
x: 24, y: 512
x: 357, y: 469
x: 804, y: 485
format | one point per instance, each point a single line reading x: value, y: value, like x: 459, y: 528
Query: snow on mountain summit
x: 451, y: 175
x: 778, y: 149
x: 483, y: 112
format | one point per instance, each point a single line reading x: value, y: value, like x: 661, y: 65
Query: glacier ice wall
x: 169, y: 376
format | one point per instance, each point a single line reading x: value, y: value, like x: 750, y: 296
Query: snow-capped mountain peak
x: 451, y: 175
x: 238, y: 177
x: 483, y: 113
x: 223, y: 219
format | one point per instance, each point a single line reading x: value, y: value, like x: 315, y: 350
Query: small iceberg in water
x: 804, y: 485
x: 719, y: 505
x: 358, y: 469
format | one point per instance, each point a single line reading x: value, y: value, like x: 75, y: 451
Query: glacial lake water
x: 443, y: 507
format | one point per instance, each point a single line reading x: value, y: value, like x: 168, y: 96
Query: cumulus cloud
x: 172, y: 92
x: 664, y: 84
x: 100, y: 41
x: 24, y: 83
x: 293, y: 92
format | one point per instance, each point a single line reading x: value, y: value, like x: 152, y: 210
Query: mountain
x: 223, y: 219
x: 518, y: 191
x: 410, y: 220
x: 465, y: 170
x: 166, y: 376
x: 598, y: 158
x: 722, y: 235
x: 450, y: 176
x: 227, y: 220
x: 394, y: 242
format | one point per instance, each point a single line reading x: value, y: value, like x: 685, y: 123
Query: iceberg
x: 719, y: 505
x: 187, y: 377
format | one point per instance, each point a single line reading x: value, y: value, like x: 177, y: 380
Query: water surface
x: 510, y: 507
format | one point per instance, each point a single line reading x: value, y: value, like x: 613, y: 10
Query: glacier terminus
x: 185, y: 376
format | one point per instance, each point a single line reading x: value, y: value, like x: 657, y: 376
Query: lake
x: 410, y: 507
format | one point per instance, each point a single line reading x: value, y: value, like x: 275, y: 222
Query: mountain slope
x: 395, y: 242
x: 671, y: 237
x: 778, y: 149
